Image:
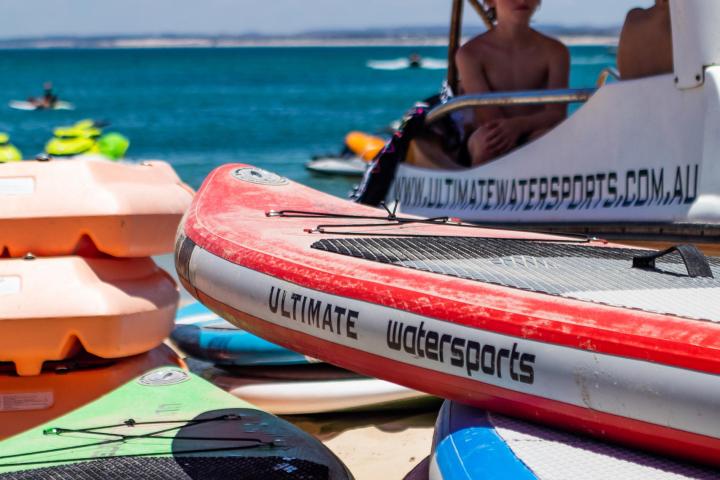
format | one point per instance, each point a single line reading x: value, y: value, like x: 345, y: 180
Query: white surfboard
x: 29, y: 106
x: 287, y: 396
x: 337, y: 166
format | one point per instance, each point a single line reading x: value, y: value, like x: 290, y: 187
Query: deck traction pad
x: 180, y: 468
x: 571, y: 270
x: 556, y: 455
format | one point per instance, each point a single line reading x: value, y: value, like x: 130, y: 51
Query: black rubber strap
x: 695, y: 262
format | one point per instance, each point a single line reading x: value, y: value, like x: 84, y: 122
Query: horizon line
x: 369, y: 32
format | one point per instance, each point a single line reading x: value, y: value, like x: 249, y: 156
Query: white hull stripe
x: 659, y: 394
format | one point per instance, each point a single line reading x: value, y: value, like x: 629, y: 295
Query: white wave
x: 403, y: 63
x: 434, y: 64
x: 397, y: 64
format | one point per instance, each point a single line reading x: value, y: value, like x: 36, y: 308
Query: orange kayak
x: 26, y: 402
x: 51, y: 308
x: 124, y: 210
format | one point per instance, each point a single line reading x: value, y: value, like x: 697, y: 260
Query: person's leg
x: 537, y: 134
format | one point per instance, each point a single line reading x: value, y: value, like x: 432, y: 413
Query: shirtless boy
x: 511, y: 56
x: 646, y: 42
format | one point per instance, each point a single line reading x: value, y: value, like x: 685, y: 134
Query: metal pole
x: 480, y: 9
x: 454, y: 43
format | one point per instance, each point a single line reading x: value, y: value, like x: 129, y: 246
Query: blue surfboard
x: 203, y: 335
x: 473, y: 444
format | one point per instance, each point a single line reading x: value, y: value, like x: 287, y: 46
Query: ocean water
x: 200, y: 108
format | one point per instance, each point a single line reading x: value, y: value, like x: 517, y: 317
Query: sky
x: 32, y: 18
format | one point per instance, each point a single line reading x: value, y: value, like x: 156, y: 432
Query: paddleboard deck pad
x: 205, y: 336
x: 574, y: 332
x: 167, y: 424
x: 473, y: 444
x: 601, y: 275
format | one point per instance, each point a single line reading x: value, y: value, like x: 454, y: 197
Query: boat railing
x: 505, y: 99
x: 606, y: 74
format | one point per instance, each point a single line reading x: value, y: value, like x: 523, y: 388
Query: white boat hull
x: 639, y: 153
x: 354, y: 166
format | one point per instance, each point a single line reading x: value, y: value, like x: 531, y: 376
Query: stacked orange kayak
x: 54, y: 307
x: 124, y: 210
x: 77, y: 286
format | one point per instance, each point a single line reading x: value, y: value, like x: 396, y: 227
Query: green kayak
x: 171, y: 424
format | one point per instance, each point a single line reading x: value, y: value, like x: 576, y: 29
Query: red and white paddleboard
x: 572, y: 332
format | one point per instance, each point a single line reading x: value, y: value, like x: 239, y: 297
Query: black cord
x: 392, y: 220
x: 122, y: 438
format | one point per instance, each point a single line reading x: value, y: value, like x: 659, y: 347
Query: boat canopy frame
x: 456, y: 34
x: 504, y: 99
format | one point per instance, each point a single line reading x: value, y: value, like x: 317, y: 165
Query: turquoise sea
x: 200, y: 108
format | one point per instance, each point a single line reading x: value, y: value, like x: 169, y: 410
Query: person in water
x: 511, y: 56
x: 48, y: 100
x: 645, y: 46
x: 414, y: 60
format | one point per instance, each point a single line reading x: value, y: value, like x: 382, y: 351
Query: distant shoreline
x: 203, y: 42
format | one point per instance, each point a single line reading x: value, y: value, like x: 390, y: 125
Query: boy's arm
x: 472, y: 76
x: 628, y: 45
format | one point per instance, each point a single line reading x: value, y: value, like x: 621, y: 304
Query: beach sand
x: 374, y: 445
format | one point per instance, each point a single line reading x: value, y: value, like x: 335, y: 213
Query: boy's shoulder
x: 645, y: 17
x: 638, y: 14
x: 479, y: 41
x: 476, y: 48
x: 638, y: 21
x: 486, y: 42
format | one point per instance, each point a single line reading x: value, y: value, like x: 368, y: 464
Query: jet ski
x: 359, y: 149
x: 8, y: 151
x: 87, y: 138
x: 414, y: 61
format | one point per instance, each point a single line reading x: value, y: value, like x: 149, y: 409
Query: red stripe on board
x: 635, y: 433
